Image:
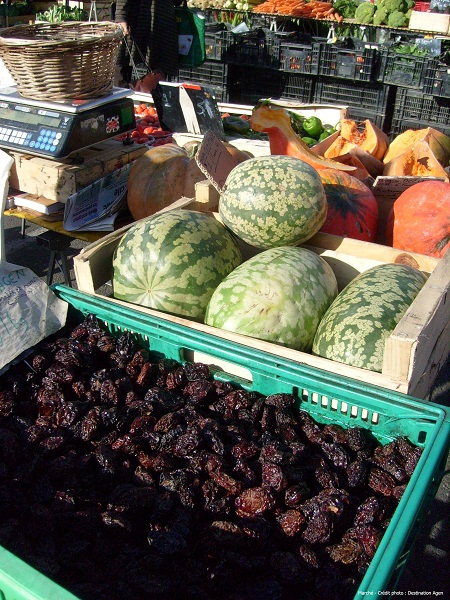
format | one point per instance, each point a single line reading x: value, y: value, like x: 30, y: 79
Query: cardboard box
x: 57, y: 180
x: 427, y: 21
x: 414, y: 352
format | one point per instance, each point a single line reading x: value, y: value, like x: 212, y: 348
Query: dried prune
x: 254, y: 502
x: 291, y: 521
x: 112, y: 463
x: 380, y: 481
x: 273, y: 476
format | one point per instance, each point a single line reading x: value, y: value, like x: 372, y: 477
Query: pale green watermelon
x: 174, y: 261
x: 355, y: 327
x: 279, y: 295
x: 272, y: 201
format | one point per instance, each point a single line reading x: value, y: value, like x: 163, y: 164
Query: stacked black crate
x: 254, y: 58
x: 348, y: 76
x: 423, y: 92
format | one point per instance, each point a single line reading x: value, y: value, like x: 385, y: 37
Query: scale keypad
x: 45, y: 139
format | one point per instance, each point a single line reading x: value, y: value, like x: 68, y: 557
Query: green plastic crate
x: 327, y: 397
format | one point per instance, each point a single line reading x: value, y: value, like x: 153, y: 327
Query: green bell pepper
x: 313, y: 127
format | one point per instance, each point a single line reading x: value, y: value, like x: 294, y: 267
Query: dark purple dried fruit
x: 254, y: 502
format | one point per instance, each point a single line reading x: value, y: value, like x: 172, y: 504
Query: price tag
x: 215, y: 161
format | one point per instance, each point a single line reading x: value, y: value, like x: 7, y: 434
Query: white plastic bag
x: 29, y: 310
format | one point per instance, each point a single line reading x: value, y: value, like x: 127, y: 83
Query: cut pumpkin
x: 342, y: 147
x: 360, y: 171
x: 283, y: 140
x: 367, y: 136
x: 417, y: 161
x: 438, y: 142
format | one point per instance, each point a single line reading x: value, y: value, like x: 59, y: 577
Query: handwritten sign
x: 215, y: 161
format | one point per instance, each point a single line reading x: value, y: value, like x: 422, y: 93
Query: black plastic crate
x: 415, y: 110
x: 253, y: 48
x: 250, y: 85
x: 437, y: 79
x: 298, y: 87
x: 373, y: 97
x: 217, y: 43
x: 403, y: 70
x: 301, y: 57
x: 357, y: 64
x: 210, y: 72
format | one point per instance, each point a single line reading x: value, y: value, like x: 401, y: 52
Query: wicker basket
x: 62, y: 61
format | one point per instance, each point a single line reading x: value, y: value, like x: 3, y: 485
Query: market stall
x: 152, y: 444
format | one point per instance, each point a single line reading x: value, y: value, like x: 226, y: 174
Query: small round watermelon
x: 173, y: 262
x: 355, y: 327
x: 279, y: 295
x: 272, y: 201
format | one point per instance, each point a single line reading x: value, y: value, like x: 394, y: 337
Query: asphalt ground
x: 426, y: 570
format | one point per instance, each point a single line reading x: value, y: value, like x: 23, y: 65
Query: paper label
x: 29, y: 311
x: 184, y: 44
x: 389, y: 187
x: 215, y: 161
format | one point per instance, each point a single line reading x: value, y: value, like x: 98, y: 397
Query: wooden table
x: 52, y: 224
x: 57, y: 239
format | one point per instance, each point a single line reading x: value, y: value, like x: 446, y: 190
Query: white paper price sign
x: 29, y: 310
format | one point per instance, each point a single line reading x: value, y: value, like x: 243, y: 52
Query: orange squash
x: 366, y: 135
x: 360, y: 171
x: 438, y: 142
x: 419, y: 220
x: 159, y: 177
x: 283, y: 140
x: 417, y: 161
x: 352, y: 206
x: 342, y: 147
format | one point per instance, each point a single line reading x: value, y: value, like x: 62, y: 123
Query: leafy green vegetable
x: 365, y: 12
x: 58, y: 13
x: 396, y: 19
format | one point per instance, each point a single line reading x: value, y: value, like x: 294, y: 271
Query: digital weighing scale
x: 56, y: 129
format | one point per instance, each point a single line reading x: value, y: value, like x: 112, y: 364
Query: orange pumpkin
x: 352, y: 207
x: 161, y: 176
x: 419, y: 220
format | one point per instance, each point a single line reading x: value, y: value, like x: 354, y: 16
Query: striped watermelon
x: 272, y: 201
x: 173, y: 261
x: 279, y: 295
x: 355, y: 327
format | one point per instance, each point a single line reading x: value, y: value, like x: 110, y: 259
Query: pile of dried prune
x: 128, y: 476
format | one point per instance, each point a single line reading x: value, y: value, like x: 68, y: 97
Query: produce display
x: 279, y: 295
x: 126, y: 474
x: 419, y: 219
x: 173, y: 261
x: 148, y: 128
x: 276, y: 202
x: 394, y: 13
x: 365, y: 313
x: 272, y: 201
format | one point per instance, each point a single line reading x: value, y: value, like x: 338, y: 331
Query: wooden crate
x: 414, y: 352
x: 57, y: 180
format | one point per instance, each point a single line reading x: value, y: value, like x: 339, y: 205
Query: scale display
x: 57, y: 129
